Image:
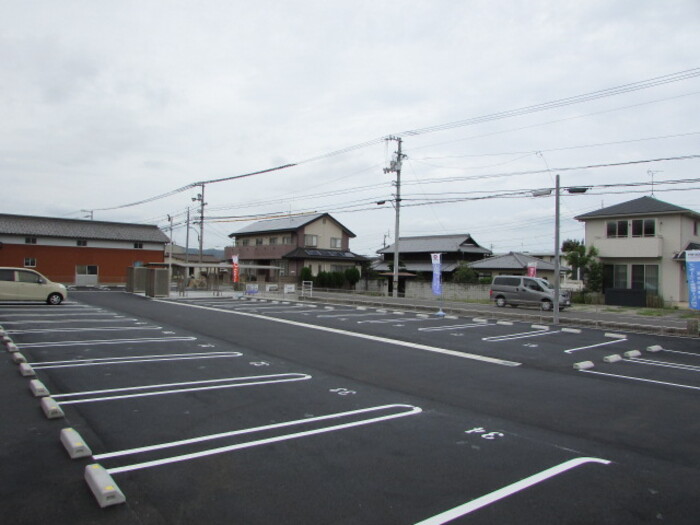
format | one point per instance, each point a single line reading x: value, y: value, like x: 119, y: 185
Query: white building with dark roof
x: 642, y: 245
x: 76, y: 251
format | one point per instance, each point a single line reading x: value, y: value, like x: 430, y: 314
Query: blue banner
x: 692, y: 271
x: 437, y: 273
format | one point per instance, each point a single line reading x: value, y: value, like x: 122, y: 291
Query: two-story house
x: 641, y: 244
x: 276, y: 250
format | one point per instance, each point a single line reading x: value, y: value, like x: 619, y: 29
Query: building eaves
x: 637, y: 207
x: 462, y: 243
x: 285, y: 224
x: 25, y: 225
x: 333, y: 255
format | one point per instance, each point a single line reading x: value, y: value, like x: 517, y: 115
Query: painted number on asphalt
x: 481, y: 431
x: 342, y: 391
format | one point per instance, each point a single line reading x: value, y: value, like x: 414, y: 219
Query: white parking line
x: 227, y: 382
x: 94, y: 342
x: 663, y: 364
x: 508, y: 490
x: 395, y: 342
x: 400, y: 320
x: 95, y: 329
x: 69, y: 320
x: 106, y: 314
x: 408, y: 410
x: 634, y: 378
x: 572, y: 350
x: 131, y: 359
x: 452, y: 327
x: 365, y: 314
x: 520, y: 335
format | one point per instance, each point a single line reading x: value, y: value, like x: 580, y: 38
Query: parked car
x: 517, y: 290
x: 23, y: 284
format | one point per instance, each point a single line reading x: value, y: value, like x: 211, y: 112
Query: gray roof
x: 640, y: 206
x: 26, y: 225
x: 437, y: 244
x: 415, y: 267
x: 291, y: 223
x: 513, y: 261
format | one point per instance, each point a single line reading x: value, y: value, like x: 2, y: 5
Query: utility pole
x: 557, y: 270
x: 187, y: 240
x: 200, y: 198
x: 395, y: 167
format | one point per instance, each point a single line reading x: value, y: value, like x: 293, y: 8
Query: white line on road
x: 400, y: 320
x: 68, y: 320
x: 94, y: 342
x: 409, y: 411
x: 223, y: 383
x: 452, y: 327
x: 634, y: 378
x: 95, y: 329
x: 652, y: 362
x: 396, y: 342
x: 131, y: 359
x: 572, y: 350
x: 520, y: 335
x: 508, y: 490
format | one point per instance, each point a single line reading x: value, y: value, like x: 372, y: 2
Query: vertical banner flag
x: 692, y: 271
x: 437, y: 273
x: 236, y: 269
x: 532, y: 269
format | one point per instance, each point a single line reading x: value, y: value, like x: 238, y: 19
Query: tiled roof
x: 291, y: 223
x: 513, y: 261
x: 640, y: 206
x: 315, y: 253
x: 462, y: 243
x: 79, y: 229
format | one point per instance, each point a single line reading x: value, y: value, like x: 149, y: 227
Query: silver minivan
x: 23, y: 284
x: 518, y: 290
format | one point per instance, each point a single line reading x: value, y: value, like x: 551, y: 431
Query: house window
x: 695, y: 227
x: 310, y: 240
x: 287, y: 239
x: 643, y: 228
x: 617, y: 229
x: 273, y: 240
x: 336, y: 243
x: 29, y: 262
x: 620, y: 276
x: 30, y: 240
x: 645, y: 277
x: 258, y: 241
x: 81, y: 242
x: 245, y: 242
x: 138, y: 245
x: 86, y: 270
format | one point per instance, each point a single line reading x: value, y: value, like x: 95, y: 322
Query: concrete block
x: 505, y: 323
x: 654, y: 348
x: 583, y: 365
x: 571, y: 330
x: 540, y: 327
x: 5, y: 339
x: 615, y: 336
x: 74, y: 444
x: 51, y: 408
x: 103, y: 486
x: 480, y: 320
x: 18, y: 358
x: 11, y: 347
x: 38, y: 388
x: 613, y: 358
x: 632, y: 353
x: 26, y: 370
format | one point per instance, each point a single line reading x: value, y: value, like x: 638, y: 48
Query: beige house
x: 276, y: 250
x: 642, y: 245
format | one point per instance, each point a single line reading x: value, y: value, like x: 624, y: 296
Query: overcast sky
x: 108, y: 103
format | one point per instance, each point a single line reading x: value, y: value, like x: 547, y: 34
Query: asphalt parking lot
x: 245, y: 411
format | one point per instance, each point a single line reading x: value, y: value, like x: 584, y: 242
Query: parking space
x: 318, y: 413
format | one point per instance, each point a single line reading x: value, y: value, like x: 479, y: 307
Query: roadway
x: 252, y: 411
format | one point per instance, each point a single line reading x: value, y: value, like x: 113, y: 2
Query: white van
x: 518, y: 290
x: 23, y: 284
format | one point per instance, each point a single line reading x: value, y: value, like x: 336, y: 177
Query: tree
x: 352, y: 276
x: 306, y: 274
x: 584, y: 261
x: 465, y: 274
